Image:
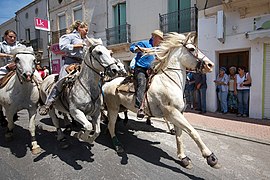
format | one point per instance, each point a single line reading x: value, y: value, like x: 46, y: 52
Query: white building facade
x: 241, y: 39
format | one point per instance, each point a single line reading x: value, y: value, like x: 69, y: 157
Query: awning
x: 252, y: 35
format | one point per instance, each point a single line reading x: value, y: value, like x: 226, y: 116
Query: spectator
x: 232, y: 99
x: 40, y: 71
x: 222, y: 89
x: 242, y: 85
x: 200, y: 86
x: 46, y: 71
x: 189, y: 89
x: 142, y: 64
x: 6, y: 46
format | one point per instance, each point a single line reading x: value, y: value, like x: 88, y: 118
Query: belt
x: 76, y: 58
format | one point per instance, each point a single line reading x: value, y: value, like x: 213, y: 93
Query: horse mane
x: 93, y: 42
x: 22, y: 49
x: 171, y: 41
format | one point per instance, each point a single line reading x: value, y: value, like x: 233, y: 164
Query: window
x: 26, y: 15
x: 62, y: 23
x: 120, y: 22
x: 27, y: 34
x: 36, y: 11
x: 77, y: 13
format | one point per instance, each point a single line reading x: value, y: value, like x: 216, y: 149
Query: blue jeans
x: 243, y: 100
x: 222, y: 97
x: 201, y: 99
x: 140, y: 85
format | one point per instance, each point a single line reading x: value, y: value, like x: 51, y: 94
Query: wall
x: 235, y: 40
x: 25, y: 23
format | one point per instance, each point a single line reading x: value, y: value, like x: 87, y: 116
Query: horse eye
x: 191, y: 49
x: 17, y: 60
x: 99, y: 53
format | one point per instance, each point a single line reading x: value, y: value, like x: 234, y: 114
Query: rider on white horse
x: 72, y: 44
x: 6, y: 46
x: 142, y: 64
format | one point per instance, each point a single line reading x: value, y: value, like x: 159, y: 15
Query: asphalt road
x: 150, y: 154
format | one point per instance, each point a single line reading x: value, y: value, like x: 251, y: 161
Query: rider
x: 143, y: 63
x: 72, y: 44
x: 6, y: 47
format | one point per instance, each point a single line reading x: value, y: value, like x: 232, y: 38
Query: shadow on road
x: 141, y: 148
x: 77, y: 151
x: 21, y: 142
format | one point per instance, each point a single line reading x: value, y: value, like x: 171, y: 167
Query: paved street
x: 150, y: 154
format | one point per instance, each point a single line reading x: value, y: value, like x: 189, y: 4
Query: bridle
x: 19, y: 73
x: 92, y: 58
x: 200, y: 61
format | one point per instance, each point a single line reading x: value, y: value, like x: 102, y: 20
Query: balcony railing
x: 57, y: 34
x: 118, y: 34
x: 37, y: 44
x: 179, y: 21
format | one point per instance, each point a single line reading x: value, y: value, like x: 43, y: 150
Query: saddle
x: 127, y: 85
x: 4, y: 80
x: 73, y: 67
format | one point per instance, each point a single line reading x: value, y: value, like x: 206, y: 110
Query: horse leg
x: 174, y: 116
x: 3, y: 120
x: 10, y: 125
x: 80, y: 117
x: 32, y: 129
x: 185, y: 161
x: 68, y: 126
x: 96, y: 126
x: 126, y: 117
x: 60, y: 135
x: 112, y: 116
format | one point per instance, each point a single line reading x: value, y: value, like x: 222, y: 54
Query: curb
x: 233, y: 135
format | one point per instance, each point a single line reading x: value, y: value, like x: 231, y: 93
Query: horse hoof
x: 148, y: 121
x: 63, y: 143
x: 186, y: 163
x: 67, y: 131
x: 119, y: 149
x: 36, y: 151
x: 212, y: 161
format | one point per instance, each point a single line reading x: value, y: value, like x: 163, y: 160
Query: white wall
x: 235, y: 40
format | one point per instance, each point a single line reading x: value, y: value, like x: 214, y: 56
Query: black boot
x: 3, y: 121
x: 49, y: 102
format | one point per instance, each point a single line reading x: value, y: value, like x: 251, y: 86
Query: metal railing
x: 57, y: 34
x: 37, y: 44
x: 118, y: 34
x: 179, y: 21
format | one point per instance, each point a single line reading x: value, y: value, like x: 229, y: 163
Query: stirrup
x: 44, y: 110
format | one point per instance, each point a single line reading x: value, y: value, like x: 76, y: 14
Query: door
x: 266, y: 82
x: 120, y: 22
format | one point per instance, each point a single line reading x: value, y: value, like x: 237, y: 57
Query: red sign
x: 42, y: 24
x: 56, y: 49
x: 56, y: 66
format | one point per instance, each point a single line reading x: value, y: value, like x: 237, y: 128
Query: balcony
x: 118, y: 34
x: 179, y: 21
x: 57, y: 34
x: 37, y: 44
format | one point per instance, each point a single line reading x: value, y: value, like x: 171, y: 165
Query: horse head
x: 99, y: 58
x: 24, y: 59
x: 179, y: 50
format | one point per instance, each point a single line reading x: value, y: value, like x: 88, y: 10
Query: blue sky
x: 9, y: 7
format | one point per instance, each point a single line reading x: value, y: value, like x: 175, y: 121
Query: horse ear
x: 187, y: 38
x: 89, y: 42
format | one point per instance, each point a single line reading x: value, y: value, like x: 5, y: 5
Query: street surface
x: 150, y: 155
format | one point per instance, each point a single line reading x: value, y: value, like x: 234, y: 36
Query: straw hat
x: 158, y: 33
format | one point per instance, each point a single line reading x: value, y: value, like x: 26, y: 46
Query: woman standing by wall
x: 241, y: 89
x: 222, y: 89
x: 232, y: 98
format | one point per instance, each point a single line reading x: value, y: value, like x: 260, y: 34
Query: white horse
x: 21, y: 92
x: 83, y: 100
x: 164, y: 97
